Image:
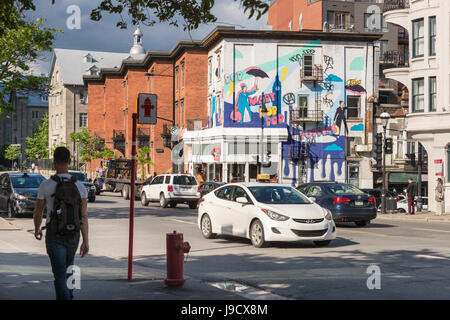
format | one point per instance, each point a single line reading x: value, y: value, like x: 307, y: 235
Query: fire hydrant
x: 176, y: 249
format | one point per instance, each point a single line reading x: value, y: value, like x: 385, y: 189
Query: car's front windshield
x: 27, y: 182
x: 79, y: 175
x: 278, y: 195
x: 340, y: 188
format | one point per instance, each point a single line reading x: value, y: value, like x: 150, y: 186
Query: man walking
x: 340, y: 117
x: 61, y: 248
x: 411, y: 193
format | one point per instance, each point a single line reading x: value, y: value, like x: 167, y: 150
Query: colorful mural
x: 271, y: 72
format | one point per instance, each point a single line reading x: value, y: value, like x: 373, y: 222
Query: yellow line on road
x: 365, y: 232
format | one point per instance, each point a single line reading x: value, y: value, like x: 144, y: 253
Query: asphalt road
x: 413, y: 257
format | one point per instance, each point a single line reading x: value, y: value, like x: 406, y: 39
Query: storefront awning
x: 401, y: 177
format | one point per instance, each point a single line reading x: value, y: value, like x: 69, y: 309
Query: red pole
x: 133, y: 176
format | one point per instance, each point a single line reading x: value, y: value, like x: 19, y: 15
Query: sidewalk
x: 424, y: 216
x: 25, y: 273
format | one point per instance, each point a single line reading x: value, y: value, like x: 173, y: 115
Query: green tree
x: 87, y: 144
x: 191, y: 12
x: 143, y: 158
x: 38, y: 143
x: 12, y: 153
x: 20, y: 43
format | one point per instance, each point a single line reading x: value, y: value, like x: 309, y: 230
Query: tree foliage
x: 12, y: 152
x: 38, y: 143
x: 143, y: 159
x: 20, y: 43
x: 192, y: 12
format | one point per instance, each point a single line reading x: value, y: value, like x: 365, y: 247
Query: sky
x: 105, y: 36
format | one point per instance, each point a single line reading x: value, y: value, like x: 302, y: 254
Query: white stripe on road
x: 182, y: 221
x: 430, y: 257
x: 434, y: 230
x: 17, y: 249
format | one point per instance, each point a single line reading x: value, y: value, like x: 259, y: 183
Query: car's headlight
x: 328, y: 214
x: 274, y: 216
x: 19, y: 196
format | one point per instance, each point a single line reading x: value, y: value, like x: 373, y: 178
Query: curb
x: 7, y: 226
x: 406, y: 218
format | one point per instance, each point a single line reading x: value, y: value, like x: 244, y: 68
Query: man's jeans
x: 411, y: 205
x: 61, y: 252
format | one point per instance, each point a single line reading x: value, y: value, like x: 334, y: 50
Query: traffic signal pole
x: 383, y: 194
x: 133, y: 179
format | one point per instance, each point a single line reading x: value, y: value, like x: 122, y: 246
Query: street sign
x: 438, y: 167
x: 147, y: 105
x: 174, y: 134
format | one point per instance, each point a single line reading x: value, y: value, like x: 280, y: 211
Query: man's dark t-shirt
x: 411, y: 189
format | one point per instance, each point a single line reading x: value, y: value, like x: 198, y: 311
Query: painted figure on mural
x: 340, y: 117
x: 242, y: 112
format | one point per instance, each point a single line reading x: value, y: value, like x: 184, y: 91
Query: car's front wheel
x: 11, y: 211
x: 207, y: 227
x: 257, y: 234
x: 322, y: 243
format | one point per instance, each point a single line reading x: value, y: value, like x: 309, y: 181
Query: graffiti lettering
x: 228, y: 78
x: 298, y: 57
x: 289, y: 99
x: 329, y: 63
x: 253, y: 101
x: 270, y: 111
x: 327, y: 102
x: 274, y: 120
x: 325, y: 131
x: 353, y: 82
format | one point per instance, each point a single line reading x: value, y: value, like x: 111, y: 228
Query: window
x: 35, y: 115
x: 315, y: 191
x: 383, y: 47
x: 176, y: 114
x: 224, y: 193
x: 418, y: 95
x: 303, y: 106
x: 432, y: 31
x: 167, y: 181
x: 418, y: 38
x: 44, y: 97
x: 307, y: 65
x: 182, y: 74
x: 182, y: 112
x: 57, y: 122
x: 83, y: 120
x: 176, y: 79
x: 239, y: 193
x: 432, y: 90
x: 218, y: 67
x: 353, y: 106
x: 209, y: 70
x: 61, y: 120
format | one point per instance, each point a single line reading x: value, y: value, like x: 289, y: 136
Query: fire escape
x: 302, y: 114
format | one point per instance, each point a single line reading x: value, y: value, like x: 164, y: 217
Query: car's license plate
x: 359, y: 203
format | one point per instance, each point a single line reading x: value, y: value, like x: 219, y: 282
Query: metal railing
x: 396, y: 58
x: 312, y: 74
x: 390, y: 5
x: 299, y: 114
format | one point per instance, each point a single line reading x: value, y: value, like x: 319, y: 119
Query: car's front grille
x: 309, y: 233
x: 309, y: 221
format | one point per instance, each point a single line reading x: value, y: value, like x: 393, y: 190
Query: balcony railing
x: 390, y: 5
x: 396, y: 58
x: 312, y: 74
x: 305, y: 115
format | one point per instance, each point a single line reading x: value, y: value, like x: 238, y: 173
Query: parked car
x: 171, y: 189
x: 402, y: 205
x: 18, y: 192
x: 264, y: 212
x: 376, y: 193
x: 207, y: 187
x: 346, y: 202
x: 89, y: 186
x: 99, y: 185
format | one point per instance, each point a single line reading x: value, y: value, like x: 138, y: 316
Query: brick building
x: 177, y: 77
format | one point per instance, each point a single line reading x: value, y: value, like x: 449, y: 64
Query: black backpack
x: 65, y: 218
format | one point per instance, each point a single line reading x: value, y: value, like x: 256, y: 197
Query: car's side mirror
x: 312, y: 199
x: 242, y: 200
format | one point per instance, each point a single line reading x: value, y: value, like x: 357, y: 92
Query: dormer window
x: 88, y: 58
x: 93, y: 71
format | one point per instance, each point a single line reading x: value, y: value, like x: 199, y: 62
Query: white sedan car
x: 263, y: 213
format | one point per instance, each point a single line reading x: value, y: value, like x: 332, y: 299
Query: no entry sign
x: 147, y: 104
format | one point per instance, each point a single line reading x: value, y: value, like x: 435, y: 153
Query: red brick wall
x: 284, y: 11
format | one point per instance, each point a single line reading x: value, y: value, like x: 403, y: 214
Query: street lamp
x: 264, y: 113
x: 384, y: 121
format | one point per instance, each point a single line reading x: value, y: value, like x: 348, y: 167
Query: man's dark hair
x: 61, y: 155
x: 341, y: 102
